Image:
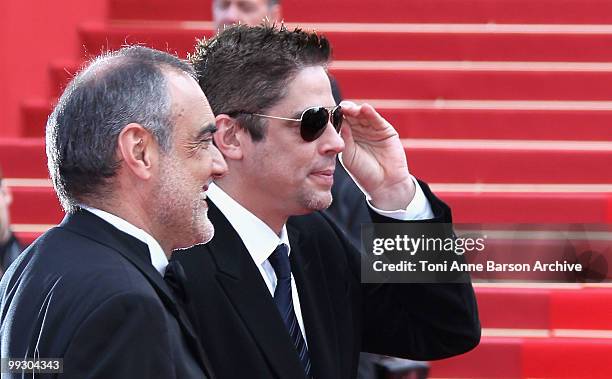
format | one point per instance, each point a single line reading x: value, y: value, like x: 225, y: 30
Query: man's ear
x: 138, y: 150
x: 229, y: 137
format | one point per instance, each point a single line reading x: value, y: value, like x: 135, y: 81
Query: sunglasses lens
x: 313, y: 124
x: 337, y: 117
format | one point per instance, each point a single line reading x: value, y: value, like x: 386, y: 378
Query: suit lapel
x: 242, y: 282
x: 315, y: 305
x: 137, y: 253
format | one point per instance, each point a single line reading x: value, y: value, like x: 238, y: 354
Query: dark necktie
x: 279, y: 260
x: 175, y: 278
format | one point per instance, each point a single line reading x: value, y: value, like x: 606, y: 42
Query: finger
x: 354, y: 117
x: 368, y: 111
x: 363, y: 112
x: 350, y: 109
x: 369, y: 119
x: 348, y: 104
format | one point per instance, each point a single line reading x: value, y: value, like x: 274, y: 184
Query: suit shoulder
x: 196, y: 255
x: 130, y: 303
x: 75, y: 267
x: 319, y: 226
x: 315, y: 221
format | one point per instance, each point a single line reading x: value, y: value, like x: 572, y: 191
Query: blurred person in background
x: 10, y: 248
x: 252, y: 13
x: 249, y: 12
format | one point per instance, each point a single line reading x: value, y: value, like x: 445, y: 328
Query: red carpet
x: 505, y: 107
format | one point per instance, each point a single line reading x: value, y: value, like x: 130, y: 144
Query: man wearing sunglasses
x: 276, y: 293
x: 348, y: 209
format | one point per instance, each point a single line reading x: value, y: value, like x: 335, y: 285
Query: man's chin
x: 206, y: 229
x: 208, y: 232
x: 209, y: 236
x: 203, y: 235
x: 319, y: 201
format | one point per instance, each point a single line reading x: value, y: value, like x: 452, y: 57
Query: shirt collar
x: 258, y: 238
x: 158, y: 257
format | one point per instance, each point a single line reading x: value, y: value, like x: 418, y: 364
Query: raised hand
x: 375, y: 157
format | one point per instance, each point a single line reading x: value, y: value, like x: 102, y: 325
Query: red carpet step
x: 425, y: 83
x: 590, y: 309
x: 567, y: 358
x: 35, y: 205
x: 34, y: 114
x: 419, y: 42
x: 530, y: 358
x: 441, y: 161
x: 530, y: 307
x: 528, y: 207
x: 39, y: 205
x: 428, y: 119
x: 466, y: 11
x: 580, y: 309
x: 23, y: 158
x: 471, y: 161
x: 448, y: 123
x: 493, y: 358
x: 454, y: 80
x: 488, y: 161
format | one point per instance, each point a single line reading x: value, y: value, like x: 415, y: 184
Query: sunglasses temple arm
x: 277, y: 118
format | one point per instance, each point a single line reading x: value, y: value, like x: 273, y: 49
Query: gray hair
x: 116, y: 89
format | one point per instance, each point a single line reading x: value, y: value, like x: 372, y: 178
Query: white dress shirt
x: 158, y: 257
x: 261, y: 241
x: 418, y: 209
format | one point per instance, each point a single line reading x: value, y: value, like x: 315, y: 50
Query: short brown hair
x: 247, y: 68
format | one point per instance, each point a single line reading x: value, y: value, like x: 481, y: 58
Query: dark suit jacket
x: 348, y: 208
x: 245, y: 337
x: 9, y: 251
x: 88, y: 293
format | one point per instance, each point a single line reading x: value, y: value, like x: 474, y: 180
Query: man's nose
x: 219, y: 166
x: 331, y: 141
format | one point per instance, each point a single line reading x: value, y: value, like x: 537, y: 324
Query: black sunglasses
x: 313, y: 120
